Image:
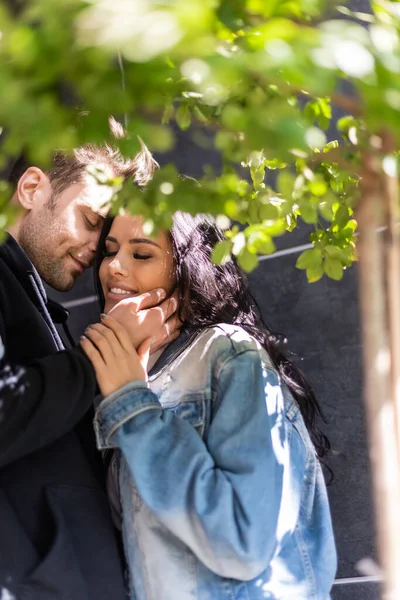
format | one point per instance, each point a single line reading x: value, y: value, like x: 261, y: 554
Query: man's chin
x: 65, y: 283
x: 67, y: 287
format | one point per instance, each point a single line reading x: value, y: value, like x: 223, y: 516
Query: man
x: 56, y: 537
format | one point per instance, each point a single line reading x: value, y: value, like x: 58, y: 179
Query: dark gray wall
x: 321, y: 322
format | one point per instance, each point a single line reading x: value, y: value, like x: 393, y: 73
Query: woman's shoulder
x: 228, y: 334
x: 226, y: 341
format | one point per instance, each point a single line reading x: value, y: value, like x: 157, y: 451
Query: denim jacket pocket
x: 191, y: 410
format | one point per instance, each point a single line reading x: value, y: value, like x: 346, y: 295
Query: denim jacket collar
x: 172, y: 351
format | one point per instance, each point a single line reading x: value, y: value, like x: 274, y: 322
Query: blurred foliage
x: 263, y: 77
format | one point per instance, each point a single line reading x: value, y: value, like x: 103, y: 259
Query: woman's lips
x: 113, y: 295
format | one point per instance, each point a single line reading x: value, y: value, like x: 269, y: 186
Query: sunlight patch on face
x: 98, y: 196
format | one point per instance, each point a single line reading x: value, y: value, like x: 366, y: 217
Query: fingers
x: 145, y: 300
x: 143, y: 323
x: 169, y: 306
x: 174, y: 321
x: 144, y: 351
x: 173, y: 324
x: 119, y: 331
x: 92, y: 353
x: 104, y: 340
x: 150, y: 299
x: 160, y: 342
x: 168, y: 332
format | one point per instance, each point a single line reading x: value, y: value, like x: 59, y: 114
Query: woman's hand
x: 115, y: 361
x: 144, y: 317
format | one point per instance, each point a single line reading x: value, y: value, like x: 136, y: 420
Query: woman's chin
x: 109, y: 306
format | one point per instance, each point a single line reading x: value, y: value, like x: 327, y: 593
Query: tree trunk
x: 379, y: 291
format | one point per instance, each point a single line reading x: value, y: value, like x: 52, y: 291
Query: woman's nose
x: 117, y: 267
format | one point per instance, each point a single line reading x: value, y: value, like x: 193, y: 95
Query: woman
x: 221, y: 489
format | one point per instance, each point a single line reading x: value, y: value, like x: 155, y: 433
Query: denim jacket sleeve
x: 222, y: 496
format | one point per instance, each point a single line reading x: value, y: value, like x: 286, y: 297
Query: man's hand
x: 143, y: 318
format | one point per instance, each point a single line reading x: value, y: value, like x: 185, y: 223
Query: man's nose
x: 92, y: 246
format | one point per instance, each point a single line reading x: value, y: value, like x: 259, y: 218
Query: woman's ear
x: 33, y: 187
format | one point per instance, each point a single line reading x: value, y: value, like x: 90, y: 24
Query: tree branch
x: 348, y: 104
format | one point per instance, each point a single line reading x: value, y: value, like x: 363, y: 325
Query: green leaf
x: 257, y: 175
x: 342, y: 215
x: 309, y: 259
x: 351, y: 225
x: 259, y: 241
x: 323, y: 122
x: 315, y: 273
x: 275, y: 228
x: 200, y: 116
x: 291, y: 220
x: 331, y: 146
x: 345, y: 123
x: 325, y: 209
x: 333, y: 268
x: 225, y: 140
x: 284, y: 207
x: 253, y: 211
x: 274, y: 163
x: 247, y: 260
x: 268, y: 212
x: 231, y: 209
x: 221, y: 253
x: 311, y: 111
x: 318, y: 186
x: 319, y: 111
x: 168, y: 114
x: 266, y: 246
x: 333, y: 252
x: 183, y: 117
x: 325, y: 107
x: 309, y: 213
x: 285, y: 184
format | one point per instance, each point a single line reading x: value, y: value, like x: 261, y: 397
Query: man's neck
x: 13, y: 230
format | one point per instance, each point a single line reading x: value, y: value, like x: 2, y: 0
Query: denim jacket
x: 222, y: 494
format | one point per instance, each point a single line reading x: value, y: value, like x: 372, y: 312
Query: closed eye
x: 90, y: 224
x: 136, y: 255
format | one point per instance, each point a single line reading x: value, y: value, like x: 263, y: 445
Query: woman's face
x: 134, y: 263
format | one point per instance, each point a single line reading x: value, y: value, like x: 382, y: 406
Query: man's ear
x: 33, y: 187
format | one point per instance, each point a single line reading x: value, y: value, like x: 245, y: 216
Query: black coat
x: 56, y: 536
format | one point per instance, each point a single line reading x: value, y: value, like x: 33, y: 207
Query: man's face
x: 60, y: 236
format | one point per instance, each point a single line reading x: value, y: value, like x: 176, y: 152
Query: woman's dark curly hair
x: 212, y: 294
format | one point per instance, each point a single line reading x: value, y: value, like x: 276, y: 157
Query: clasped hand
x: 144, y: 317
x: 119, y: 352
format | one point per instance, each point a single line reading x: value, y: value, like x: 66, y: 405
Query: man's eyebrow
x: 109, y: 238
x: 101, y: 212
x: 96, y: 220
